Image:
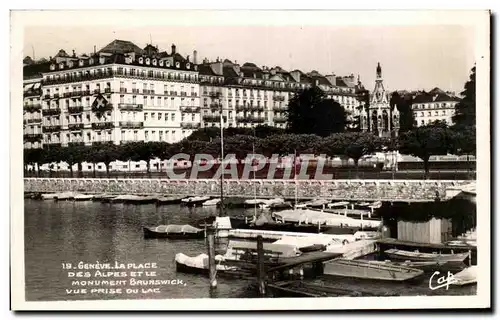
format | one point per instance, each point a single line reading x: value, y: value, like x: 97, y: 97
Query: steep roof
x: 121, y: 46
x: 427, y: 97
x: 62, y: 54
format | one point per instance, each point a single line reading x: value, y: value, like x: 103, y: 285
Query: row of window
x: 434, y: 105
x: 429, y: 113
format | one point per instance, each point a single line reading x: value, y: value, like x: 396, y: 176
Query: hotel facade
x: 123, y: 93
x: 435, y: 105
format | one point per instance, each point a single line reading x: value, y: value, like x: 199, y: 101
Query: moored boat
x: 211, y: 202
x: 48, y: 196
x: 193, y: 201
x: 83, y: 197
x: 168, y: 200
x: 466, y: 276
x: 373, y: 270
x: 64, y: 196
x: 199, y: 264
x: 174, y: 231
x: 422, y: 256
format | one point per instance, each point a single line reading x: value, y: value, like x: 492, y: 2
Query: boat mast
x: 295, y: 178
x: 254, y: 185
x: 221, y: 155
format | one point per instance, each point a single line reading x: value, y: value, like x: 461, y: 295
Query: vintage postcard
x: 250, y: 160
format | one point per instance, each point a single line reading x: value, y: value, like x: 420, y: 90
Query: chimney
x: 173, y: 48
x: 74, y: 55
x: 195, y: 54
x: 94, y: 49
x: 187, y: 58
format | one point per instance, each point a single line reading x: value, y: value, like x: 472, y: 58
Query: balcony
x: 132, y: 124
x: 215, y: 105
x: 107, y: 90
x: 102, y: 125
x: 213, y: 118
x: 32, y: 107
x: 51, y: 128
x: 279, y: 119
x: 146, y: 91
x: 278, y: 98
x: 280, y: 108
x: 191, y: 126
x: 32, y: 93
x: 135, y: 91
x: 173, y: 93
x: 86, y: 93
x: 37, y: 120
x: 46, y: 96
x: 51, y: 111
x: 123, y: 90
x: 106, y: 107
x: 250, y: 119
x: 130, y: 107
x: 194, y: 94
x: 215, y: 94
x: 57, y: 95
x: 76, y: 144
x: 75, y: 109
x: 75, y: 126
x: 79, y: 78
x: 183, y: 94
x: 190, y: 109
x: 32, y: 137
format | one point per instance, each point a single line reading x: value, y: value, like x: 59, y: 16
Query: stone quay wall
x: 369, y: 190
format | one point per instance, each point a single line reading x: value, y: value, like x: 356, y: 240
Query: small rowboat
x: 174, y: 231
x: 422, y: 256
x: 374, y: 270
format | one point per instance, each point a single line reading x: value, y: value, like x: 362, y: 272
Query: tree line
x: 423, y: 142
x: 316, y: 125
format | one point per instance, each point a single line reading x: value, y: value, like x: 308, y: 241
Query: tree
x: 425, y: 141
x: 33, y: 157
x: 105, y: 153
x: 52, y: 154
x: 404, y: 106
x: 465, y: 110
x: 464, y: 141
x: 74, y: 155
x: 358, y: 144
x: 310, y: 112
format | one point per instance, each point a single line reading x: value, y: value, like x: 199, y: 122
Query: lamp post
x: 216, y: 95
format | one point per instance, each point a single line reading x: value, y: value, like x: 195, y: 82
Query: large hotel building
x: 123, y: 93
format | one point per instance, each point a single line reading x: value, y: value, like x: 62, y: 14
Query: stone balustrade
x: 369, y: 190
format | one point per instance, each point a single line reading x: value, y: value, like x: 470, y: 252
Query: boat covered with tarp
x: 466, y: 276
x: 174, y: 231
x: 199, y: 264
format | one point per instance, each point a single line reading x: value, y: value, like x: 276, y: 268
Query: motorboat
x: 194, y: 201
x: 373, y: 270
x: 422, y: 256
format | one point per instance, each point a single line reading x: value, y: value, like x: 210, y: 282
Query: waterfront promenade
x: 352, y: 189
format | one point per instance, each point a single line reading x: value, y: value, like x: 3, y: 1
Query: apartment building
x: 124, y: 93
x: 249, y: 96
x: 435, y: 105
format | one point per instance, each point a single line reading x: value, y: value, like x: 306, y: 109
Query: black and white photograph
x: 250, y: 160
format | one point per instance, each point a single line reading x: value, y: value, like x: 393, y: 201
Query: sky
x: 412, y: 57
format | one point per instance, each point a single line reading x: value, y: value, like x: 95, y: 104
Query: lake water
x: 61, y: 233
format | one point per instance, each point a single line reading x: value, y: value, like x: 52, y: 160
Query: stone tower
x: 382, y: 120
